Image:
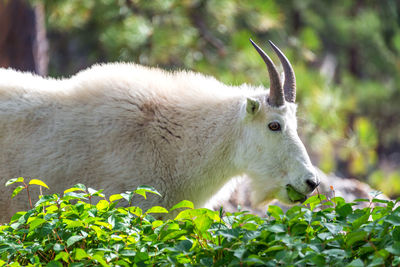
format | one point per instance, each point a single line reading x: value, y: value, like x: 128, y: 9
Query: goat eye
x: 274, y: 126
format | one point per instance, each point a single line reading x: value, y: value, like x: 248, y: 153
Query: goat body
x: 116, y: 127
x: 119, y: 126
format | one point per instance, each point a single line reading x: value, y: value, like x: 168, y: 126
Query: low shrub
x: 71, y: 230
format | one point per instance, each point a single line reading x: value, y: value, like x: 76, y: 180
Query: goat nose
x: 312, y: 184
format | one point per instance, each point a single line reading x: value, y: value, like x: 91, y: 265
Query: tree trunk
x: 23, y: 43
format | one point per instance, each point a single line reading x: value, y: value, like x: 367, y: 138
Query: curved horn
x: 289, y: 86
x: 276, y: 97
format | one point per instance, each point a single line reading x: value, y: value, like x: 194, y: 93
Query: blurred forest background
x: 346, y: 55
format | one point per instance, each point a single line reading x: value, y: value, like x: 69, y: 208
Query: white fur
x: 118, y: 126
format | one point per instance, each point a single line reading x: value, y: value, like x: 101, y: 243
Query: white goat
x: 118, y: 126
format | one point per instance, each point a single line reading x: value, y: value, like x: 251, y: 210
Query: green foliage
x: 293, y: 194
x: 68, y: 230
x: 346, y: 55
x: 25, y: 186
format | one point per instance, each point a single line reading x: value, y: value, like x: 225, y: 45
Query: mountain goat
x: 118, y: 126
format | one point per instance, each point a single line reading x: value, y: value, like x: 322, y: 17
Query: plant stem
x: 29, y: 196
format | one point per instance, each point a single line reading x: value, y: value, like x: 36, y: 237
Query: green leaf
x: 393, y: 219
x: 128, y: 253
x: 17, y: 190
x: 396, y: 261
x: 183, y: 204
x: 293, y: 194
x: 396, y: 233
x: 77, y: 187
x: 377, y: 261
x: 338, y: 200
x: 274, y: 248
x: 80, y: 254
x: 319, y: 260
x: 335, y: 253
x: 115, y: 197
x: 394, y: 249
x: 38, y: 182
x: 100, y: 259
x: 80, y: 186
x: 136, y: 211
x: 362, y: 200
x: 58, y: 247
x: 250, y: 226
x: 104, y: 224
x: 275, y: 211
x: 102, y: 205
x: 127, y: 196
x: 96, y: 193
x: 377, y: 200
x: 62, y: 255
x: 361, y: 220
x: 325, y: 235
x: 356, y: 263
x: 184, y: 245
x: 333, y: 228
x: 36, y: 223
x: 174, y: 235
x: 344, y: 210
x: 52, y: 198
x: 142, y: 190
x: 73, y: 239
x: 54, y: 264
x: 98, y: 230
x: 73, y: 224
x: 229, y: 233
x: 203, y: 223
x: 277, y: 228
x: 73, y: 195
x: 157, y: 209
x: 207, y: 261
x: 157, y: 223
x: 141, y: 256
x: 15, y: 180
x: 354, y: 237
x: 239, y: 252
x: 313, y: 201
x: 191, y: 214
x: 299, y: 228
x: 17, y: 215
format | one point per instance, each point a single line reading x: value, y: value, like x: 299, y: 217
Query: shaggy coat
x: 119, y: 126
x: 116, y: 127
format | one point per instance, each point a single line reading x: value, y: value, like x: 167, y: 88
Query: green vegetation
x: 68, y: 229
x: 346, y: 55
x: 293, y: 194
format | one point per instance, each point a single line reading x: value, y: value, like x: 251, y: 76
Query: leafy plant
x: 346, y: 55
x: 70, y: 230
x: 25, y: 186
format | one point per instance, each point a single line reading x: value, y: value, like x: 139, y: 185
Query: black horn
x: 289, y: 86
x: 276, y: 97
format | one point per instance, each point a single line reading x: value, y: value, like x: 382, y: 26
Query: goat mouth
x: 295, y: 196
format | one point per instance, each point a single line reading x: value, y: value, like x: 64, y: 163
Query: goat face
x: 270, y: 148
x: 274, y: 156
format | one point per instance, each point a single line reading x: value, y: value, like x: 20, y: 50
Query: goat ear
x: 252, y: 106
